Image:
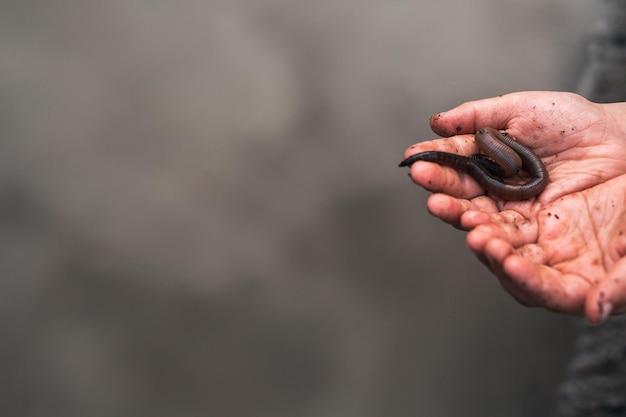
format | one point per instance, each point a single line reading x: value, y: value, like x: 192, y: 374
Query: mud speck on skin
x: 600, y: 308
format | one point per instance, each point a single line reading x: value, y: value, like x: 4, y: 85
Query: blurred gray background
x: 202, y: 214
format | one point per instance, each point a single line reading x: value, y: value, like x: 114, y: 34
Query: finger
x: 518, y: 294
x: 507, y: 225
x: 494, y: 112
x: 440, y: 179
x: 437, y: 178
x: 496, y: 251
x: 540, y: 285
x: 481, y: 236
x: 608, y: 296
x: 462, y: 145
x: 455, y: 211
x: 534, y: 253
x: 447, y: 208
x: 534, y: 284
x: 470, y: 116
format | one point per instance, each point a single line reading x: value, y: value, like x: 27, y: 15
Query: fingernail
x: 605, y: 309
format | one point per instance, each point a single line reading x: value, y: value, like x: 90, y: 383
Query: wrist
x: 615, y: 120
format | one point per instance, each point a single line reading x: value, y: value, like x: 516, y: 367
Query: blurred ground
x: 202, y: 215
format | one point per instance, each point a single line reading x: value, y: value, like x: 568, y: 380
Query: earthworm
x: 504, y: 158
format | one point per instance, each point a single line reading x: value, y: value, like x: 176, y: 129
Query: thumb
x: 470, y: 116
x: 498, y: 112
x: 607, y: 296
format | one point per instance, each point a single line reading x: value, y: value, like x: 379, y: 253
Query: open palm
x: 564, y: 249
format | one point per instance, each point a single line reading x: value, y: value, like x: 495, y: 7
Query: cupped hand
x: 564, y: 249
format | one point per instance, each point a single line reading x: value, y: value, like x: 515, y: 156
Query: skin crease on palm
x: 564, y: 249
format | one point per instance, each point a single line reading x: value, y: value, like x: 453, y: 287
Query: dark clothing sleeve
x: 595, y: 384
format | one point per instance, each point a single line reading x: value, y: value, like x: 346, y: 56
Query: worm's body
x: 509, y: 156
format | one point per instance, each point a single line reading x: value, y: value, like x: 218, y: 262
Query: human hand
x: 565, y: 248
